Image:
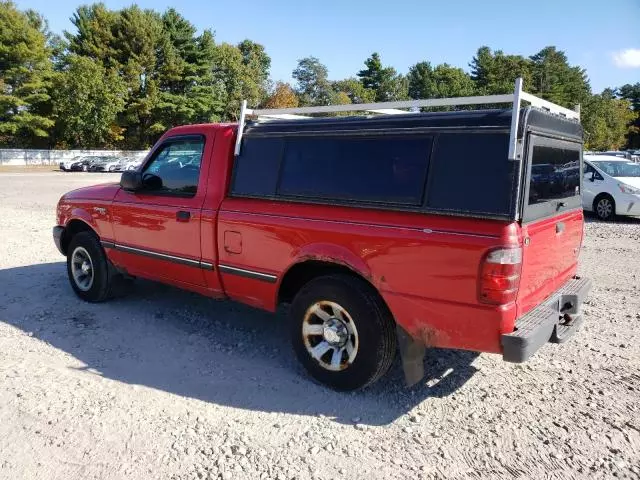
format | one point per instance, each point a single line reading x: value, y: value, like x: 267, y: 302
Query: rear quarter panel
x: 425, y: 266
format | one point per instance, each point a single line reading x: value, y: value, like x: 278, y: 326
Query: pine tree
x: 387, y: 84
x: 25, y: 78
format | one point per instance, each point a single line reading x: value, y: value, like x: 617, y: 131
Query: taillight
x: 500, y: 276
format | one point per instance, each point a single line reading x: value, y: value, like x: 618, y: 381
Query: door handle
x: 183, y: 216
x: 560, y: 227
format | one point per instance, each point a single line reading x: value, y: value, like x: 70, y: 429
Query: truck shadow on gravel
x: 216, y: 351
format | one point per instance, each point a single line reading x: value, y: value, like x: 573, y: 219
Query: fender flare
x: 330, y: 253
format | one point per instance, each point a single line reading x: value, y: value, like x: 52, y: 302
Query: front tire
x: 88, y: 268
x: 342, y: 332
x: 604, y: 207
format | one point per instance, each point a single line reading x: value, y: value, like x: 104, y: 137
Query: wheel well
x: 73, y: 228
x: 601, y: 195
x: 301, y: 273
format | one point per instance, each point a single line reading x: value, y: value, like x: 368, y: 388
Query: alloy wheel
x: 330, y: 335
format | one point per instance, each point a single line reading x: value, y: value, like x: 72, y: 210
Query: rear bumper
x: 555, y: 320
x: 57, y: 238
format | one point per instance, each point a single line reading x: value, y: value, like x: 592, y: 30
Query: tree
x: 188, y: 91
x: 383, y: 81
x: 169, y: 72
x: 283, y: 96
x: 94, y: 36
x: 555, y: 80
x: 133, y: 43
x: 340, y: 98
x: 25, y: 78
x: 235, y: 80
x: 495, y: 72
x: 138, y: 37
x: 355, y: 90
x: 631, y: 93
x: 606, y: 120
x: 256, y: 64
x: 397, y: 88
x: 443, y: 81
x: 205, y: 95
x: 87, y: 101
x: 255, y: 58
x: 313, y: 86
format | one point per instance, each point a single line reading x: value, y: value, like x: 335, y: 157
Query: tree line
x: 123, y: 77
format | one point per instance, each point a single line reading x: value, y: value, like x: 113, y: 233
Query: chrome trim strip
x: 363, y: 224
x: 461, y: 234
x: 266, y: 277
x: 161, y: 256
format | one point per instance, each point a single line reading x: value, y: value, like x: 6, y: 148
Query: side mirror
x: 131, y: 181
x: 593, y: 177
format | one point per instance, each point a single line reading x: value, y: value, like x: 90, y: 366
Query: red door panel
x: 159, y: 234
x: 141, y: 223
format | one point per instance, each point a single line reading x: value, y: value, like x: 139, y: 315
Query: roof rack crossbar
x: 363, y: 107
x: 552, y: 107
x: 410, y: 106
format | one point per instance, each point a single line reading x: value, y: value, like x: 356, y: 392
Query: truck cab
x: 457, y: 229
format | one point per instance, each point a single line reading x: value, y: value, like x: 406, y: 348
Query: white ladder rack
x: 394, y: 108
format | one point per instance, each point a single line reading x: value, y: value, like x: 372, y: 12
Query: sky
x: 603, y: 37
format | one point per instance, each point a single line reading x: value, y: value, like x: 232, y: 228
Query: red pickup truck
x: 411, y: 230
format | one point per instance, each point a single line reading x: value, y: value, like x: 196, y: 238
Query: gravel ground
x: 163, y: 384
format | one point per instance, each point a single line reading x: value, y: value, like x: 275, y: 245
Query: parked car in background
x: 65, y: 165
x: 132, y: 164
x: 83, y: 165
x: 360, y: 225
x: 114, y: 164
x: 76, y: 164
x: 615, y: 153
x: 99, y: 164
x: 611, y: 186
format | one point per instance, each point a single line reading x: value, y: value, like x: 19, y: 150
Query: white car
x: 68, y: 165
x: 114, y: 165
x: 132, y: 164
x: 611, y: 186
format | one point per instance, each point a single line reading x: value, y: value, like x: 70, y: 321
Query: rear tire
x: 88, y: 268
x: 604, y: 207
x: 342, y: 332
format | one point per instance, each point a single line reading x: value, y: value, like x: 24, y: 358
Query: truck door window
x: 554, y: 180
x: 555, y: 174
x: 177, y: 166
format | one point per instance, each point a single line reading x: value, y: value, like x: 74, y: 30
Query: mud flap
x: 412, y: 354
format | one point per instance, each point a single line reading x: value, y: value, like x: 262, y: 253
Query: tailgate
x: 552, y: 218
x: 550, y: 256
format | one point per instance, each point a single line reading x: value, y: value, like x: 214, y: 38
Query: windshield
x: 619, y: 169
